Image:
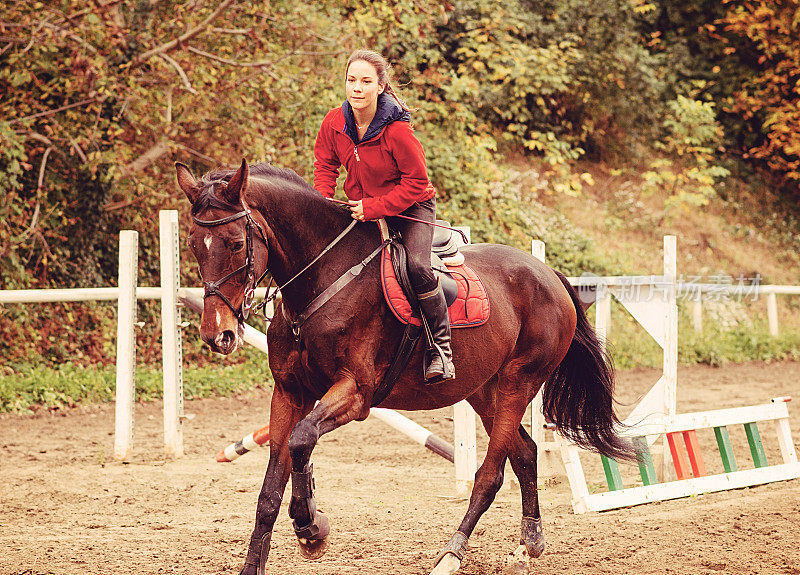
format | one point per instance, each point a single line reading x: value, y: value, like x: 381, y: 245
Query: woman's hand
x: 356, y: 210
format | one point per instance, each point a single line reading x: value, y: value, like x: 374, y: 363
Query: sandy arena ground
x: 66, y: 507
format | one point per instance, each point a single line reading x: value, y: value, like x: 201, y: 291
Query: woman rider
x: 371, y: 135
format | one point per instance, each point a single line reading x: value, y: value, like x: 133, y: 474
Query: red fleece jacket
x: 388, y: 172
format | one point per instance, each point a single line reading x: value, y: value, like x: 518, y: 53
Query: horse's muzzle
x: 226, y: 341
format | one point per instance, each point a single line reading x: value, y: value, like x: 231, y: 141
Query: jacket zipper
x: 358, y: 175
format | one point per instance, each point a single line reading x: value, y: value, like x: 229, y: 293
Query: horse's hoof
x: 532, y: 536
x: 447, y: 565
x: 449, y: 558
x: 312, y: 548
x: 313, y: 539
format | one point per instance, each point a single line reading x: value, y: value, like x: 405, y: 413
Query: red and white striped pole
x: 245, y: 445
x: 401, y: 423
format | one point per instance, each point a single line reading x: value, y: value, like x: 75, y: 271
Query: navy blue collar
x: 389, y: 110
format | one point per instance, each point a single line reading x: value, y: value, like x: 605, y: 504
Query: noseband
x: 212, y: 288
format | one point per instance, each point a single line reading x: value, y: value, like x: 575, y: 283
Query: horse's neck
x: 300, y: 233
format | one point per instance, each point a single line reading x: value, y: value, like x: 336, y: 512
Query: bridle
x: 213, y: 288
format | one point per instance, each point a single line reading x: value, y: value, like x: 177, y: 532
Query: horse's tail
x: 577, y: 397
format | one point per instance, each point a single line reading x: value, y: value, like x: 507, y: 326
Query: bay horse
x: 248, y: 222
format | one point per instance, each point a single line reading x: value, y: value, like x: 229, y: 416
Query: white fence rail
x: 696, y: 293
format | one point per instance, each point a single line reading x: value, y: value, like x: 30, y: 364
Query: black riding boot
x: 434, y: 308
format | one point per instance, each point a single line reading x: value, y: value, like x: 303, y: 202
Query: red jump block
x: 698, y: 467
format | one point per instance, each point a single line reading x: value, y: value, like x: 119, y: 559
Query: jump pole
x: 390, y: 417
x: 415, y: 431
x: 691, y: 474
x: 247, y: 444
x: 399, y: 422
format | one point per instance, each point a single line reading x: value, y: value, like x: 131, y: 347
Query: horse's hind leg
x: 523, y: 458
x: 523, y: 462
x: 510, y: 407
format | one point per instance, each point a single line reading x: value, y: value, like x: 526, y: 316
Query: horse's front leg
x: 285, y: 412
x: 341, y: 404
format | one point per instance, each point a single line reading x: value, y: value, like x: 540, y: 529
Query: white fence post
x: 126, y: 343
x: 537, y: 418
x: 772, y: 314
x: 170, y: 334
x: 547, y: 464
x: 465, y: 455
x: 464, y: 431
x: 697, y: 313
x: 670, y: 339
x: 602, y: 319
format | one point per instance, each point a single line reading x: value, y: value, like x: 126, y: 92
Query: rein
x: 263, y: 305
x: 409, y: 218
x: 334, y: 288
x: 213, y: 288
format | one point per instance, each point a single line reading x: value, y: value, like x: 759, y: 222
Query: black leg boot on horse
x: 439, y: 358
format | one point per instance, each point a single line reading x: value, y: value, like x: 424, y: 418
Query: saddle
x: 466, y: 297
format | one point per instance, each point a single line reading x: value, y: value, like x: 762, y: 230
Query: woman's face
x: 362, y: 85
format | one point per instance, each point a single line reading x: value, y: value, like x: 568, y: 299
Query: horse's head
x: 230, y: 245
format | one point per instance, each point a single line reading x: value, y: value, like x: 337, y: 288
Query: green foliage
x: 743, y: 343
x: 687, y: 172
x: 33, y: 387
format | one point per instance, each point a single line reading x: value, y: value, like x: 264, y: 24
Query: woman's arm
x: 414, y: 184
x: 326, y: 162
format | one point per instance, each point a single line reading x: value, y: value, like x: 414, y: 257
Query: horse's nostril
x: 226, y: 339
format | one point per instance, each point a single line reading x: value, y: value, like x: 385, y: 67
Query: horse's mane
x: 264, y: 170
x: 259, y: 170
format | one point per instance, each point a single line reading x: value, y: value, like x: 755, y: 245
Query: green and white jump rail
x: 687, y: 460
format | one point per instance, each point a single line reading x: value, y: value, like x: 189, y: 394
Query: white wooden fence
x: 696, y: 293
x: 170, y: 293
x: 126, y: 294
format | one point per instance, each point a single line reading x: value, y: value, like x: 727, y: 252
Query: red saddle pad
x: 470, y: 309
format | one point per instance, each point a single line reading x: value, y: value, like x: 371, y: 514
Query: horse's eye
x: 237, y: 246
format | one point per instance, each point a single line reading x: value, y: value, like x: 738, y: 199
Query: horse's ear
x: 237, y: 185
x: 186, y: 181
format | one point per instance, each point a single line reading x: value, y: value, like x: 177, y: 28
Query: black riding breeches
x: 418, y: 238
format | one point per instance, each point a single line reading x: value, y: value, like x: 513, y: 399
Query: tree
x: 770, y: 101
